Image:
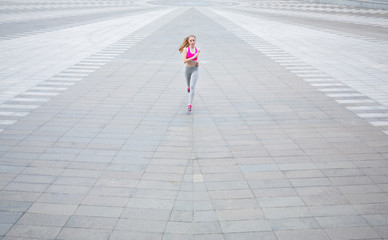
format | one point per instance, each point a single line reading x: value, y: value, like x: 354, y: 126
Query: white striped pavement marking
x: 326, y: 84
x: 100, y: 57
x: 64, y: 74
x: 320, y: 80
x: 283, y: 59
x: 300, y: 68
x: 72, y: 70
x: 354, y: 101
x: 39, y: 94
x: 336, y: 90
x: 346, y: 95
x: 58, y: 83
x: 14, y: 114
x: 85, y: 67
x: 289, y: 61
x: 320, y: 75
x: 113, y: 51
x: 276, y: 55
x: 48, y: 88
x: 7, y: 122
x: 293, y: 64
x: 91, y: 63
x: 107, y: 54
x: 28, y: 99
x: 19, y: 106
x: 116, y: 48
x: 373, y: 115
x: 379, y: 123
x: 96, y: 60
x: 361, y: 108
x: 72, y: 79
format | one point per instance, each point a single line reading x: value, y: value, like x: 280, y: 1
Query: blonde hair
x: 185, y: 42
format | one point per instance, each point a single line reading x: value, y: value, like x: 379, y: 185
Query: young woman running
x: 190, y: 58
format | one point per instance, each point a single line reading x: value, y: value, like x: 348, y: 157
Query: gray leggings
x: 191, y: 74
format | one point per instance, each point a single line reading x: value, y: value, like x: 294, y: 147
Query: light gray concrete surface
x: 371, y: 4
x: 287, y: 139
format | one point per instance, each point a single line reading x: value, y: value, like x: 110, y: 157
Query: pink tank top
x: 189, y: 54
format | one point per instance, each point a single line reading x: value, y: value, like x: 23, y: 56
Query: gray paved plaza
x: 288, y: 138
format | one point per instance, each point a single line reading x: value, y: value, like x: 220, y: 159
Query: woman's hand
x: 196, y: 63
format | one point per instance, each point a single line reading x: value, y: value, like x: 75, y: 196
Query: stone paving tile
x: 245, y: 226
x: 318, y: 234
x: 98, y: 211
x: 250, y: 235
x: 30, y: 231
x: 173, y: 236
x: 352, y: 233
x: 61, y: 198
x: 44, y: 219
x: 141, y: 225
x: 120, y: 235
x: 54, y: 209
x: 88, y: 222
x: 14, y: 206
x: 268, y: 152
x: 83, y: 233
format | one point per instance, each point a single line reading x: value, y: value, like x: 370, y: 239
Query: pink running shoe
x: 188, y: 89
x: 189, y: 108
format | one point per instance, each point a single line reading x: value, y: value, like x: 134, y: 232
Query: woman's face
x: 192, y: 41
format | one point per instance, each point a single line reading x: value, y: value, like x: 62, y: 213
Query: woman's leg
x: 193, y: 82
x: 188, y: 75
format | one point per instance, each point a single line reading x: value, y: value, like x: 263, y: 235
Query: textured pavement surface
x: 287, y: 139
